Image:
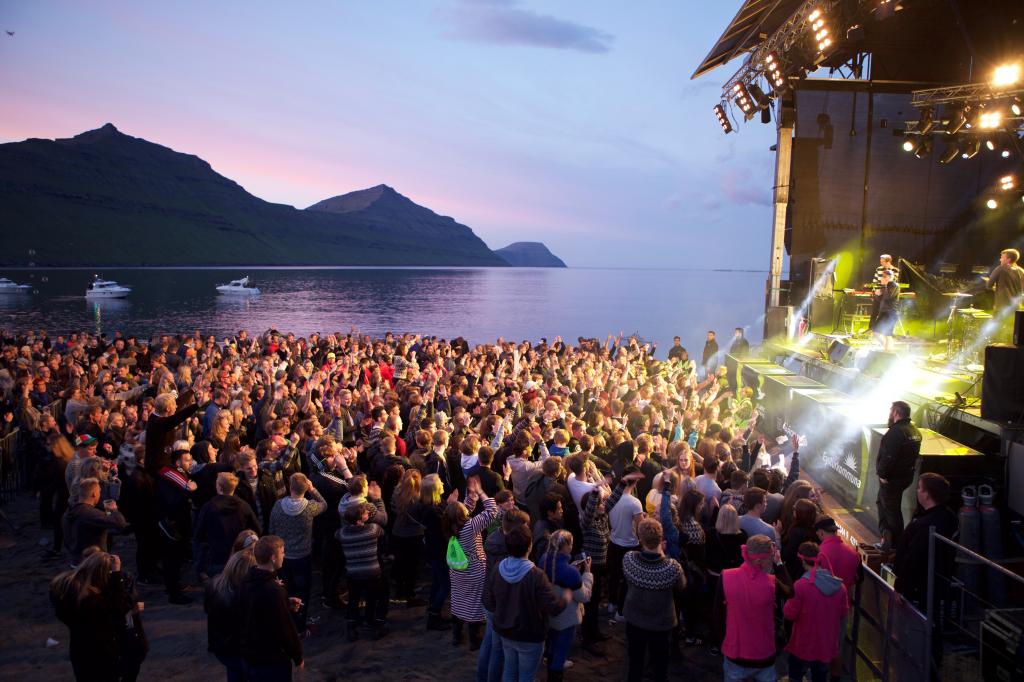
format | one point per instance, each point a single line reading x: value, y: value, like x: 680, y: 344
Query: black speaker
x: 1018, y: 328
x: 822, y: 282
x: 777, y: 322
x: 821, y: 315
x: 1002, y: 385
x: 837, y: 352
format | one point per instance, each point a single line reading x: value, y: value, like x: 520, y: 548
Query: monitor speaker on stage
x: 838, y: 351
x: 1002, y: 384
x: 1018, y: 328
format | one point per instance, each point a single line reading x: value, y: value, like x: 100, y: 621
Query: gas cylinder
x: 991, y: 544
x: 970, y: 537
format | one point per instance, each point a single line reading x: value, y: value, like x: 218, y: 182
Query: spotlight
x: 908, y: 146
x: 773, y: 72
x: 990, y: 145
x: 924, y: 148
x: 1007, y: 182
x: 820, y: 30
x: 992, y: 203
x: 742, y: 97
x: 927, y: 121
x: 1005, y: 153
x: 958, y: 121
x: 723, y: 119
x: 951, y: 151
x: 1016, y: 107
x: 971, y: 150
x: 990, y: 119
x: 1006, y: 75
x: 761, y: 100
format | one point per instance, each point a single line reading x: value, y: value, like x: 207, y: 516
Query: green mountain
x: 530, y: 255
x: 105, y: 198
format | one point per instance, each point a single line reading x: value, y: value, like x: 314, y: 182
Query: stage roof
x: 744, y: 32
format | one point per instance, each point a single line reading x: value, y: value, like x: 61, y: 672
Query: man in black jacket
x: 270, y: 642
x: 85, y: 524
x: 911, y: 563
x: 174, y: 491
x: 897, y: 457
x: 256, y: 487
x: 161, y: 425
x: 221, y: 520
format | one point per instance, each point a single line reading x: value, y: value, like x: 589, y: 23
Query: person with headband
x: 817, y: 609
x: 744, y: 611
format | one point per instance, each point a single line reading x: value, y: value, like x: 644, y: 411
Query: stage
x: 841, y: 405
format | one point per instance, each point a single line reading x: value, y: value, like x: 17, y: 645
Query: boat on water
x: 9, y: 287
x: 238, y: 287
x: 105, y: 288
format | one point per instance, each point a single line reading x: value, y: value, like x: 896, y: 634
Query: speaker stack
x: 1002, y: 384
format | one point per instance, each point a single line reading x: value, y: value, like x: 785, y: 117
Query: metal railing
x: 13, y: 467
x: 889, y: 635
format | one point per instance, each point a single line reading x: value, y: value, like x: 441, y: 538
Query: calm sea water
x: 479, y: 304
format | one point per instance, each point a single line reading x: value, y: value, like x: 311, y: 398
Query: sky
x: 571, y: 123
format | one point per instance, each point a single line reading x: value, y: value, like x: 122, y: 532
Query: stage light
x: 742, y: 98
x: 761, y: 100
x: 1006, y: 75
x: 951, y: 151
x: 971, y: 150
x: 1007, y: 182
x: 820, y: 30
x: 958, y: 121
x: 1005, y: 153
x: 773, y: 72
x: 924, y: 148
x: 990, y: 119
x: 927, y: 121
x: 1016, y: 107
x: 990, y: 145
x: 723, y: 119
x: 908, y: 146
x: 992, y: 203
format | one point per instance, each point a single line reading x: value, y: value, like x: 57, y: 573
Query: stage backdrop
x: 857, y: 194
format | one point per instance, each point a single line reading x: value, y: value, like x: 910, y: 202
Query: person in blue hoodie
x: 556, y: 565
x: 521, y: 599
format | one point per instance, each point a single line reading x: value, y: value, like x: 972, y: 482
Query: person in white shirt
x: 623, y: 516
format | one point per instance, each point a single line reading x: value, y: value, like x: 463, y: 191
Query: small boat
x: 9, y: 287
x: 105, y: 288
x: 238, y: 287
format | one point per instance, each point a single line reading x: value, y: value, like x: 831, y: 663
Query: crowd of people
x: 521, y: 494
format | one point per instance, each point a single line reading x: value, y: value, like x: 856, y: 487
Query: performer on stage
x: 897, y: 458
x: 885, y: 263
x: 1007, y: 280
x: 883, y: 312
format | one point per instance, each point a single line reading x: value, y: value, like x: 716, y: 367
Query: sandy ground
x: 177, y: 634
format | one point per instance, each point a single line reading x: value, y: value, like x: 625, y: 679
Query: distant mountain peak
x: 104, y: 132
x: 358, y: 200
x: 530, y: 255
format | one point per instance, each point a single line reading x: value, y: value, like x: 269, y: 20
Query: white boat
x: 105, y: 288
x: 238, y: 287
x: 9, y: 287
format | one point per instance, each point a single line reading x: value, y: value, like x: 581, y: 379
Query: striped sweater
x: 362, y: 546
x: 596, y: 529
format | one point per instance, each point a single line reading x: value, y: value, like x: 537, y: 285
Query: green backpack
x: 456, y: 557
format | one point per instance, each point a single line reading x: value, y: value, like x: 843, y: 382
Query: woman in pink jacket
x: 817, y: 609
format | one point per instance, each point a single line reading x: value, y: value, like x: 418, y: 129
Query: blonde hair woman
x: 93, y: 600
x: 407, y: 536
x: 224, y: 615
x: 725, y: 543
x: 428, y: 512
